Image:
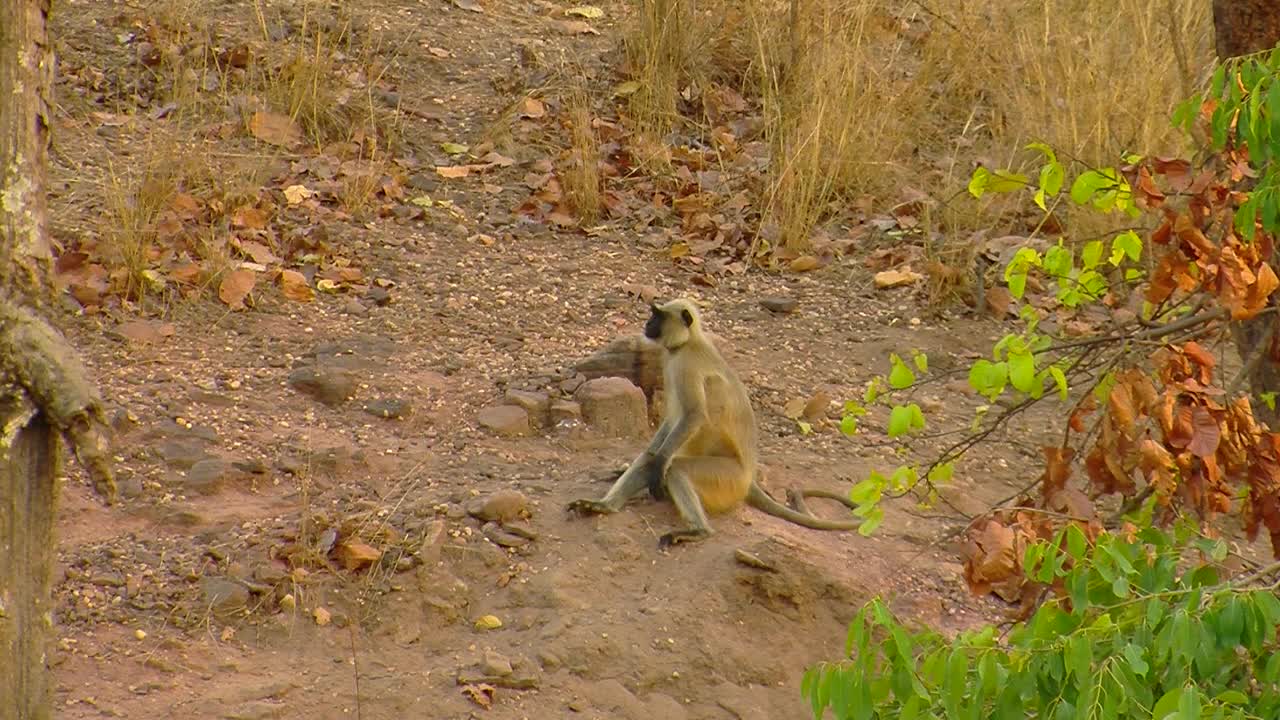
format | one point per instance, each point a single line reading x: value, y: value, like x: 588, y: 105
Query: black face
x: 653, y: 328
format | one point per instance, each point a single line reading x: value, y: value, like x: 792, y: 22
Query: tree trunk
x: 1242, y: 27
x: 43, y: 390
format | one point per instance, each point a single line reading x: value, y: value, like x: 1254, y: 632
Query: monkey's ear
x: 687, y: 317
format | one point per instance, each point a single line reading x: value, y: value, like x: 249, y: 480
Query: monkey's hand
x: 589, y: 507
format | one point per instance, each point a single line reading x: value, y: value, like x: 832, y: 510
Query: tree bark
x: 1242, y: 27
x: 44, y: 392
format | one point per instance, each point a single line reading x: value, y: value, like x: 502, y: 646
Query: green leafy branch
x: 1138, y: 635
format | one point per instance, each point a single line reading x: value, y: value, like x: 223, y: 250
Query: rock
x: 224, y: 597
x: 330, y: 386
x: 501, y: 506
x: 206, y: 476
x: 130, y: 485
x: 614, y: 407
x: 495, y: 664
x: 505, y: 420
x: 570, y: 385
x: 388, y: 407
x: 253, y: 466
x: 565, y: 411
x: 182, y: 454
x: 537, y: 404
x: 615, y: 699
x: 380, y: 296
x: 502, y: 538
x: 781, y: 305
x: 549, y: 660
x: 355, y: 307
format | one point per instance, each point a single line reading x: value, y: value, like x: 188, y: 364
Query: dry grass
x: 580, y: 170
x: 871, y: 97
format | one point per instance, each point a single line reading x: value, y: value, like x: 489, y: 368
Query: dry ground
x: 597, y: 623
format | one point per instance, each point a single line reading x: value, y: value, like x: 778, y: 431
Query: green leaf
x: 900, y: 376
x: 871, y: 522
x: 1166, y: 708
x: 899, y: 421
x: 1092, y: 254
x: 1060, y: 380
x: 942, y: 473
x: 1022, y: 371
x: 1001, y: 181
x: 868, y: 491
x: 1058, y: 261
x: 849, y: 425
x: 922, y: 362
x: 988, y: 378
x: 1126, y: 244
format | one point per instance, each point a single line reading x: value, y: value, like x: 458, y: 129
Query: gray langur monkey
x: 704, y: 454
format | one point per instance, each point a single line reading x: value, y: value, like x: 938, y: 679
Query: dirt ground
x: 203, y: 594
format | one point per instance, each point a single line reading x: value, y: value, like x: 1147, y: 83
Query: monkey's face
x: 653, y: 328
x: 669, y: 325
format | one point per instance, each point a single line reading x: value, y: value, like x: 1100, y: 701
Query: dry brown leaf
x: 816, y: 408
x: 794, y: 408
x: 144, y: 332
x: 236, y: 286
x: 186, y: 206
x: 250, y: 218
x: 532, y: 108
x: 453, y: 171
x: 575, y: 27
x: 480, y: 694
x: 295, y: 287
x: 896, y: 278
x: 188, y: 274
x: 357, y: 555
x: 275, y: 129
x: 258, y: 252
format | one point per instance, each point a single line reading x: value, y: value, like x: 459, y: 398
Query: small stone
x: 355, y: 307
x: 206, y: 476
x: 130, y: 486
x: 182, y: 454
x: 253, y: 466
x: 380, y: 296
x: 391, y: 408
x: 328, y: 385
x: 505, y: 420
x: 501, y: 506
x: 495, y: 664
x: 502, y: 538
x: 614, y: 407
x: 224, y: 597
x: 549, y: 660
x: 780, y: 305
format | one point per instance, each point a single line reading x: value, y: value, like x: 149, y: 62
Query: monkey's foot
x: 675, y: 537
x: 590, y: 507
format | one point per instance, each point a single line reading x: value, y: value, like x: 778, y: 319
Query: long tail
x: 760, y: 500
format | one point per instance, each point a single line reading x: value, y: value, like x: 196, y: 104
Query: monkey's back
x: 731, y: 424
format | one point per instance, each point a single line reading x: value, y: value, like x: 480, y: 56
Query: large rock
x: 614, y: 407
x: 505, y: 420
x: 637, y: 359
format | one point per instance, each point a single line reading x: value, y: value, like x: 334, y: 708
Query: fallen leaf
x: 259, y: 252
x: 629, y: 87
x: 532, y: 108
x: 236, y: 286
x: 439, y: 52
x: 186, y: 206
x: 294, y: 285
x: 575, y: 27
x: 895, y: 278
x: 322, y: 616
x: 295, y: 194
x: 454, y: 148
x: 488, y: 622
x: 587, y: 11
x: 453, y: 171
x: 275, y: 129
x: 248, y: 217
x: 481, y: 694
x: 357, y: 555
x: 144, y: 332
x: 469, y: 5
x: 494, y: 158
x: 817, y: 406
x: 794, y: 408
x: 804, y: 263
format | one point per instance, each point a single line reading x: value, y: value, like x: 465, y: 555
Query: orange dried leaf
x: 1198, y: 355
x: 275, y: 129
x: 295, y: 287
x: 453, y: 171
x: 250, y: 218
x: 1205, y: 433
x: 258, y: 252
x: 357, y: 555
x: 236, y: 286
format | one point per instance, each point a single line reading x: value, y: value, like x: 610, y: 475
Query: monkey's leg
x: 688, y: 480
x: 632, y: 482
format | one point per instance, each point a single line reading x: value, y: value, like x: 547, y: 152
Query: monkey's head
x: 673, y: 323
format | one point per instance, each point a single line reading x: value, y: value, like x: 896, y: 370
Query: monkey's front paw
x: 589, y: 507
x: 675, y: 537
